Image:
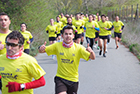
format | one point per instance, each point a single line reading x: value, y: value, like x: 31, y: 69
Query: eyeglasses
x: 11, y: 44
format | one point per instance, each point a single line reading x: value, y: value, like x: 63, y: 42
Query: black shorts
x: 96, y: 35
x: 58, y: 35
x: 26, y: 51
x: 119, y: 35
x: 62, y: 85
x: 78, y: 36
x: 83, y: 34
x: 103, y: 37
x: 52, y: 38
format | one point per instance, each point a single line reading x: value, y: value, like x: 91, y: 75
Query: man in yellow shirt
x: 118, y: 27
x: 17, y: 69
x: 91, y: 28
x: 27, y: 36
x: 59, y: 27
x: 68, y: 57
x: 63, y: 19
x: 103, y: 35
x: 52, y: 31
x: 4, y: 31
x: 79, y: 24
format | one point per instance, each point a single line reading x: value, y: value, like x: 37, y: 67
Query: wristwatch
x: 22, y: 86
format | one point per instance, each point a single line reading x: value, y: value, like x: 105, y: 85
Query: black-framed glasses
x: 12, y: 44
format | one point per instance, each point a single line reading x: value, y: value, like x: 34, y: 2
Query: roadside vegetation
x: 37, y: 13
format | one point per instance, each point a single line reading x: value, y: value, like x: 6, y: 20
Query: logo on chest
x: 18, y: 70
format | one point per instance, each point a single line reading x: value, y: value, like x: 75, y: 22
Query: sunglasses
x: 12, y: 44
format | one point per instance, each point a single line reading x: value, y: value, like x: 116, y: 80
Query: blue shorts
x: 119, y: 35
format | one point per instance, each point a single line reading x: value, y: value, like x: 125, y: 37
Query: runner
x: 59, y: 27
x: 27, y: 36
x: 109, y: 32
x: 83, y: 30
x: 52, y: 31
x: 18, y: 69
x: 68, y: 57
x: 79, y: 24
x: 4, y: 31
x: 63, y: 19
x: 103, y: 35
x: 91, y: 28
x: 118, y: 27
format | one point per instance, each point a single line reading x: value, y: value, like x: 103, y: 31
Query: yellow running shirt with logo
x: 117, y: 26
x: 2, y: 39
x: 21, y: 70
x: 68, y: 59
x: 27, y: 36
x: 90, y: 31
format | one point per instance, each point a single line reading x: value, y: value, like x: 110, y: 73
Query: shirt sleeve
x: 84, y: 53
x: 35, y: 70
x: 51, y: 49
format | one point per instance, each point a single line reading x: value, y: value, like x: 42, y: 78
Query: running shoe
x: 100, y: 52
x: 104, y: 55
x: 117, y: 47
x: 98, y: 48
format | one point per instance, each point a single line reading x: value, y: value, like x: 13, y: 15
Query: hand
x: 28, y: 42
x: 42, y: 48
x: 89, y: 48
x: 13, y: 87
x: 99, y: 31
x: 93, y: 26
x: 1, y: 45
x: 120, y: 30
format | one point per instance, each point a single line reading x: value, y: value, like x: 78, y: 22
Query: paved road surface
x: 118, y: 73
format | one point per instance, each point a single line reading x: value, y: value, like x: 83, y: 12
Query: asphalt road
x: 118, y: 73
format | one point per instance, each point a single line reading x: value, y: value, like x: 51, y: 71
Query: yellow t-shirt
x: 90, y: 31
x: 21, y: 70
x: 78, y: 24
x: 27, y: 36
x: 109, y: 32
x: 117, y: 26
x: 102, y: 26
x: 51, y: 30
x: 68, y: 59
x: 2, y: 39
x: 63, y: 20
x: 59, y: 26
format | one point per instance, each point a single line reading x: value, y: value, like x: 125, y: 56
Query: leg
x: 91, y: 42
x: 60, y: 87
x: 82, y: 40
x: 105, y: 42
x: 88, y: 41
x: 78, y: 40
x: 100, y: 45
x: 116, y: 41
x: 73, y: 89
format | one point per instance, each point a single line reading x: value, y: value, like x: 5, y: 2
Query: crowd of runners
x: 95, y: 28
x: 66, y: 37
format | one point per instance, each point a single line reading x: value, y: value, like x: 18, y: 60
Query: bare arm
x: 92, y: 54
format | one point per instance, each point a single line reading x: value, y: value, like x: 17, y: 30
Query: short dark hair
x: 3, y: 13
x: 23, y: 23
x: 103, y: 15
x: 69, y: 17
x: 16, y: 35
x: 67, y: 27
